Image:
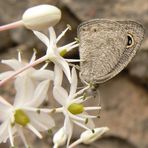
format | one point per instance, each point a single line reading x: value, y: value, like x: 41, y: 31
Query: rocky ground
x: 124, y: 99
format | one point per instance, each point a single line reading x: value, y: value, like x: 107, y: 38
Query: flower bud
x: 88, y: 136
x: 41, y: 17
x: 59, y: 138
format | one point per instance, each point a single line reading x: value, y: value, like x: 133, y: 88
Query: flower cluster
x: 32, y: 85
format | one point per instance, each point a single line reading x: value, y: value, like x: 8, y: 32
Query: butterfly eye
x: 130, y: 41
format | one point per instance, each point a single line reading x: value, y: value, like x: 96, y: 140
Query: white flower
x: 55, y: 53
x: 25, y: 111
x: 88, y: 137
x: 59, y: 138
x: 73, y: 108
x: 33, y: 74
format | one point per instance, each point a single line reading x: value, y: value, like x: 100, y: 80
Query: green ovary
x: 63, y: 52
x: 76, y: 108
x: 21, y: 118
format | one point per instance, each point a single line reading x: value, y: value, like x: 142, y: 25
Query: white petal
x: 52, y: 37
x: 13, y: 63
x: 64, y: 66
x: 60, y: 95
x: 39, y: 94
x: 5, y: 109
x: 11, y: 137
x: 74, y: 82
x: 4, y: 105
x: 43, y: 75
x: 41, y: 121
x: 42, y: 37
x: 58, y: 76
x: 5, y: 74
x: 4, y: 135
x: 24, y: 90
x: 68, y: 126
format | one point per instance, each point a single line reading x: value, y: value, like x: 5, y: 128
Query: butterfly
x: 106, y: 48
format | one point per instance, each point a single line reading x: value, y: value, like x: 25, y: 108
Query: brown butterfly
x: 106, y: 47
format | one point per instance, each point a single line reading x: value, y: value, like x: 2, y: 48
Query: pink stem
x: 11, y: 26
x: 42, y: 59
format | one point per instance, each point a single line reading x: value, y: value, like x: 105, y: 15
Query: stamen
x: 92, y: 108
x: 76, y: 117
x: 22, y: 137
x: 66, y: 46
x: 86, y: 121
x: 81, y: 125
x: 35, y: 131
x: 34, y: 55
x: 44, y: 66
x: 63, y: 33
x: 50, y: 132
x: 77, y: 39
x: 19, y: 55
x: 73, y: 60
x: 81, y: 91
x: 72, y: 47
x: 77, y: 142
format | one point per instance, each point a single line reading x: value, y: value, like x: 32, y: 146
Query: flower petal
x: 24, y: 90
x: 5, y: 109
x: 43, y: 75
x: 4, y: 135
x: 13, y: 63
x: 68, y: 126
x: 42, y: 37
x: 58, y: 76
x: 52, y: 37
x: 73, y: 86
x: 39, y: 94
x: 5, y: 74
x: 64, y: 66
x: 22, y: 136
x: 41, y: 121
x: 60, y: 94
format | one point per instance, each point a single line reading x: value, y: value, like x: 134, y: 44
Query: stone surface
x: 138, y: 69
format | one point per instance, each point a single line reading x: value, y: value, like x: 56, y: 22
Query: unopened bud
x: 88, y: 136
x: 59, y: 138
x: 41, y: 17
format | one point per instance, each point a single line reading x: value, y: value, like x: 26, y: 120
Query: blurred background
x: 124, y: 99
